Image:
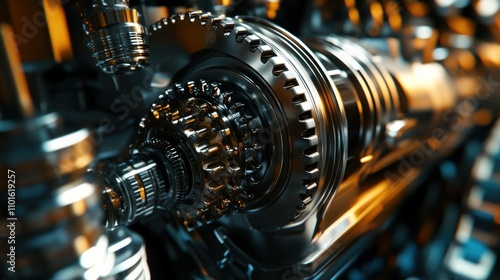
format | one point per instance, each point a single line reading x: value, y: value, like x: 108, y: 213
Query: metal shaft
x: 117, y: 39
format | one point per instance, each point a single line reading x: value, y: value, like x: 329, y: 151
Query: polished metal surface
x: 252, y: 140
x: 117, y: 39
x: 129, y: 255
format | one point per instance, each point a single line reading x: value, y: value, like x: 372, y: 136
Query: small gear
x: 213, y: 129
x: 177, y: 171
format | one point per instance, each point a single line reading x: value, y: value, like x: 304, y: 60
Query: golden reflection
x: 354, y: 16
x: 58, y: 30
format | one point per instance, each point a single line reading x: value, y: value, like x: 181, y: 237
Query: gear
x: 285, y: 86
x: 178, y: 179
x: 214, y: 130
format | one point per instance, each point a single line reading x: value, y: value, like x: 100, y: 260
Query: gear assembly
x: 250, y: 139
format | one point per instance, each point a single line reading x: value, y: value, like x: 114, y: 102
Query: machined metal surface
x: 117, y: 39
x: 266, y: 140
x: 330, y: 114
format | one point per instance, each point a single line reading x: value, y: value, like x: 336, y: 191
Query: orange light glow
x: 58, y: 30
x: 354, y: 16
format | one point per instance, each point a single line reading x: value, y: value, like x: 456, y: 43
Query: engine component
x: 242, y: 152
x: 269, y: 126
x: 129, y: 255
x: 117, y: 39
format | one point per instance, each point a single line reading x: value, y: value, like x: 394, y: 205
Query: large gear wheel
x: 280, y: 77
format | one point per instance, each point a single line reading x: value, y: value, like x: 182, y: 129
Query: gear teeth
x: 238, y: 107
x: 241, y: 33
x: 202, y: 134
x: 274, y: 63
x: 204, y: 18
x: 215, y: 89
x: 142, y: 123
x: 216, y: 22
x: 211, y: 151
x: 194, y: 107
x: 204, y: 87
x: 228, y: 99
x: 266, y: 53
x: 311, y: 152
x: 214, y: 188
x: 278, y: 65
x: 173, y: 158
x: 304, y: 106
x: 174, y: 117
x: 179, y: 89
x: 159, y: 25
x: 225, y: 132
x: 214, y: 169
x: 169, y: 92
x: 191, y: 87
x: 246, y: 118
x: 253, y: 181
x: 299, y: 98
x: 214, y: 115
x: 190, y: 102
x: 311, y: 187
x: 227, y: 26
x: 306, y: 118
x: 309, y: 133
x: 250, y: 154
x: 291, y: 83
x: 188, y: 121
x: 306, y: 200
x: 253, y: 42
x: 180, y: 17
x: 312, y: 168
x: 194, y: 15
x: 303, y: 206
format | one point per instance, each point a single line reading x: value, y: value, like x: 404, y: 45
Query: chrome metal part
x: 330, y: 114
x: 129, y: 255
x: 117, y: 39
x: 334, y: 141
x: 285, y: 87
x: 131, y: 190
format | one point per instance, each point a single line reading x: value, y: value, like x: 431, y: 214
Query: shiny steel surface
x: 343, y: 113
x: 129, y: 255
x: 253, y: 140
x: 117, y: 39
x: 286, y: 80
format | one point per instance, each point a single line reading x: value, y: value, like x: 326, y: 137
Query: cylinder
x: 117, y: 39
